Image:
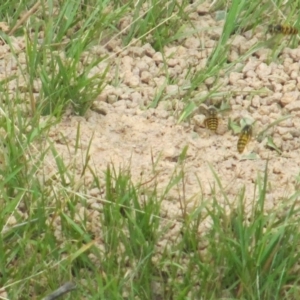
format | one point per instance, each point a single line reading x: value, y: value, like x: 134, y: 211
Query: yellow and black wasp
x: 244, y: 138
x: 284, y: 29
x: 211, y: 121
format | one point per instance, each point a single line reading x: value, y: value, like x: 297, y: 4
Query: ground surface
x: 125, y: 133
x: 122, y: 131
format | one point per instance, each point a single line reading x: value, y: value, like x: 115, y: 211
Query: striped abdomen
x: 211, y: 122
x: 284, y: 29
x: 244, y: 138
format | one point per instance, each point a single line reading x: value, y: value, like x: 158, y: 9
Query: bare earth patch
x: 125, y: 134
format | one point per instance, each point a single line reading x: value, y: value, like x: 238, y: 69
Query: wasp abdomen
x: 244, y: 138
x: 211, y: 122
x: 284, y: 29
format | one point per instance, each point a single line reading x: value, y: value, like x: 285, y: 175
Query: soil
x: 124, y: 132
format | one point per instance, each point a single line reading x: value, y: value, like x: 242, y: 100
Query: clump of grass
x: 160, y: 18
x: 242, y: 254
x: 253, y: 254
x: 57, y: 60
x: 134, y: 245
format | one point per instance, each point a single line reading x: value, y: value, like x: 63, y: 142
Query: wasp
x: 284, y: 29
x: 244, y: 138
x: 211, y: 121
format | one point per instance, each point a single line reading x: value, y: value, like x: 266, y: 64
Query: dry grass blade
x: 25, y: 17
x: 66, y: 288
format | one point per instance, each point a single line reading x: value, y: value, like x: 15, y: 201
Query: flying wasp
x: 284, y: 29
x: 244, y: 138
x: 211, y: 121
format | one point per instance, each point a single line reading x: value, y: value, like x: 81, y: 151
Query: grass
x: 47, y: 238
